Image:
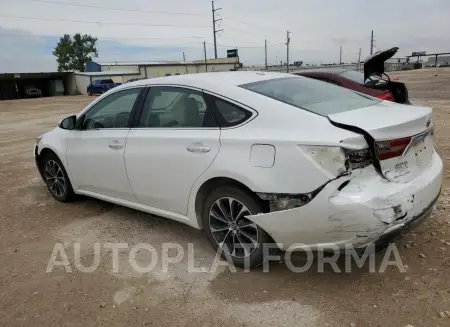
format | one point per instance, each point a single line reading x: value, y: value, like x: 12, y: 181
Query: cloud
x: 318, y: 29
x: 24, y: 52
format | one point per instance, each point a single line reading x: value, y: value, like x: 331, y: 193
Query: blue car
x: 101, y: 86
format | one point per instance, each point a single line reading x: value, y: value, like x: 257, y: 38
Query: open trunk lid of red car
x: 374, y: 64
x: 400, y: 137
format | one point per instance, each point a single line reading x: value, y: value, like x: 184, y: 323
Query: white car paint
x: 281, y: 149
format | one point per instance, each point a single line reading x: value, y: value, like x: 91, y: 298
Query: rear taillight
x: 357, y: 158
x: 386, y: 96
x: 393, y: 148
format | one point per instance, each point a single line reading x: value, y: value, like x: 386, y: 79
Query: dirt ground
x: 31, y: 223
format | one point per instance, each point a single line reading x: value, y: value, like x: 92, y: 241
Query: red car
x: 373, y: 81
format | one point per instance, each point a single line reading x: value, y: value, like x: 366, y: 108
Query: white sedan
x: 251, y: 158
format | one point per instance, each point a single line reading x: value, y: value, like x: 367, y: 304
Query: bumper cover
x: 403, y: 229
x: 357, y: 213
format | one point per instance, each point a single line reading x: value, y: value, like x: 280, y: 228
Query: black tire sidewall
x: 252, y: 203
x: 68, y: 192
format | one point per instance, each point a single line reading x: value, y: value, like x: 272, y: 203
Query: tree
x: 73, y: 53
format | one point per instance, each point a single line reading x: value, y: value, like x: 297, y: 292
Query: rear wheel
x: 56, y: 178
x: 89, y: 93
x: 228, y: 229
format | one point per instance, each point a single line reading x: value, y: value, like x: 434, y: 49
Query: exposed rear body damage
x: 367, y: 208
x: 383, y: 197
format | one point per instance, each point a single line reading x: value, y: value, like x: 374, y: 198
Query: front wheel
x: 227, y: 227
x: 89, y: 93
x: 56, y: 178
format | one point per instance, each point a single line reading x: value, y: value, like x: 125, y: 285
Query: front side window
x: 111, y: 112
x: 173, y: 107
x: 312, y: 95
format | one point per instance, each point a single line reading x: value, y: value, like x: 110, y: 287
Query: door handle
x: 198, y: 147
x: 116, y: 146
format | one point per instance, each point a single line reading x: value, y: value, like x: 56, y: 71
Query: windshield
x: 319, y: 97
x: 358, y: 77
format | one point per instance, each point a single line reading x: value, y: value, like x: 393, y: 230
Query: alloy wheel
x: 55, y: 179
x: 233, y: 232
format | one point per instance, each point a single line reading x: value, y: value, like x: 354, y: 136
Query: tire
x: 230, y: 234
x: 60, y: 187
x: 90, y: 93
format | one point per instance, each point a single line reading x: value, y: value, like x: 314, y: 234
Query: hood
x: 374, y: 64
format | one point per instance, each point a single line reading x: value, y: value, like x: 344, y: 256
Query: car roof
x: 211, y: 81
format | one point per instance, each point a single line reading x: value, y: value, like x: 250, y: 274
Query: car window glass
x: 164, y: 99
x: 358, y: 77
x: 324, y: 79
x: 231, y: 114
x: 111, y: 112
x: 173, y: 107
x: 312, y: 95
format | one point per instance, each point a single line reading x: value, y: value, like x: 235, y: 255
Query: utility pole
x: 214, y: 20
x: 288, y: 40
x: 359, y: 60
x: 206, y: 61
x: 185, y: 64
x: 372, y: 43
x: 265, y: 51
x: 340, y: 56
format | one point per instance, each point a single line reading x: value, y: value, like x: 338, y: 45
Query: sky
x: 159, y: 30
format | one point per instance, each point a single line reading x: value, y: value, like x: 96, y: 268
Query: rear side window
x: 230, y: 114
x: 312, y: 95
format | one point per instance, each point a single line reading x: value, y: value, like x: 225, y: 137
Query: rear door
x: 175, y: 140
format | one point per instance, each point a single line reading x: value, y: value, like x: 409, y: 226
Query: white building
x: 121, y: 72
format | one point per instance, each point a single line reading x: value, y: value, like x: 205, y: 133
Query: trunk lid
x: 399, y: 136
x: 374, y: 64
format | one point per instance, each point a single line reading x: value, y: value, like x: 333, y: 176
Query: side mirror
x: 68, y: 122
x: 199, y: 104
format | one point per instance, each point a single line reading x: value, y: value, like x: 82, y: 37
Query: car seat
x: 191, y: 115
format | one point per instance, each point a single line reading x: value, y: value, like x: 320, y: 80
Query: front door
x: 95, y: 152
x: 177, y: 139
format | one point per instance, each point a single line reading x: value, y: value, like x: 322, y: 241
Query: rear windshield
x: 358, y: 77
x: 107, y: 81
x: 316, y: 96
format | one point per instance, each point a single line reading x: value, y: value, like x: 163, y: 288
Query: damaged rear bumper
x: 366, y: 209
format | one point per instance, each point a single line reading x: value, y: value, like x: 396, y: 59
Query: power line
x: 104, y: 23
x: 111, y: 38
x: 246, y: 47
x: 118, y: 9
x: 247, y: 23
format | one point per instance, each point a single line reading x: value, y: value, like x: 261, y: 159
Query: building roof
x: 168, y: 63
x: 109, y: 73
x: 145, y: 63
x: 33, y: 75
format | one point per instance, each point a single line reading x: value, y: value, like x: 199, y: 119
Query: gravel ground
x: 31, y: 223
